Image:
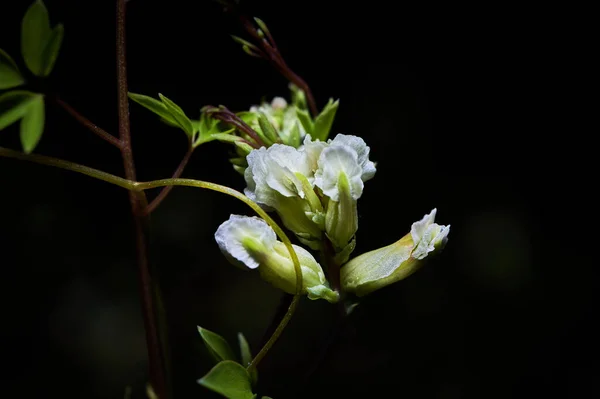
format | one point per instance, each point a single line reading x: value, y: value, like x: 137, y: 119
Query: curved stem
x: 141, y: 186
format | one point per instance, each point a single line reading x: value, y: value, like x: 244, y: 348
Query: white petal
x: 333, y: 161
x: 362, y: 150
x: 434, y: 236
x: 231, y: 234
x: 418, y: 229
x: 313, y: 150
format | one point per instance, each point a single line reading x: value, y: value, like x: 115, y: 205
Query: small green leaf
x: 229, y: 379
x: 246, y: 356
x: 9, y: 72
x: 32, y: 124
x: 268, y: 132
x: 155, y: 106
x: 35, y: 30
x: 52, y: 49
x: 178, y: 115
x: 305, y: 120
x: 216, y: 345
x: 324, y: 120
x: 13, y: 106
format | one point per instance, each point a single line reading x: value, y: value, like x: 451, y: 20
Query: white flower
x: 378, y: 268
x: 334, y: 161
x: 428, y: 235
x: 274, y: 170
x: 278, y: 103
x: 251, y: 242
x: 345, y: 153
x: 234, y: 235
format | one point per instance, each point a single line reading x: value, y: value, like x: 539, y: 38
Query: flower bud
x: 250, y: 242
x: 378, y: 268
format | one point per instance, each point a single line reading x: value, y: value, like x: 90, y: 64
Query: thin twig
x: 103, y: 134
x: 138, y: 208
x: 165, y: 191
x: 273, y: 56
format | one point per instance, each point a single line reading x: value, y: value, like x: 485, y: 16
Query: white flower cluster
x: 307, y: 185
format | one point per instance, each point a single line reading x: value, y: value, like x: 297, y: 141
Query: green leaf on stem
x: 32, y: 124
x: 305, y: 119
x: 155, y: 106
x: 245, y: 353
x: 51, y: 49
x: 324, y: 120
x: 229, y: 379
x: 246, y: 356
x: 13, y: 106
x: 9, y: 72
x: 216, y: 345
x: 178, y: 115
x: 35, y: 30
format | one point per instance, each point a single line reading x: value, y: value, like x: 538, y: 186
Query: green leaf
x: 52, y: 49
x: 324, y: 120
x: 216, y: 345
x: 9, y: 72
x: 35, y: 30
x: 13, y: 106
x: 155, y: 106
x: 178, y: 115
x: 305, y: 120
x: 246, y: 356
x: 32, y: 124
x: 229, y: 379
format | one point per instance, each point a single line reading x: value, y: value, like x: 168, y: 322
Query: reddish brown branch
x: 225, y: 115
x: 103, y: 134
x: 138, y: 208
x: 167, y: 189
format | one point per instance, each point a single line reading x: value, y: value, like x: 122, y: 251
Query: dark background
x: 475, y: 110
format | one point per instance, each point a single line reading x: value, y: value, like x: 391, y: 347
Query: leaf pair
x: 27, y: 107
x: 169, y: 112
x: 228, y: 377
x: 40, y: 44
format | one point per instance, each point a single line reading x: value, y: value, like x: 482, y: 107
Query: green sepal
x: 324, y: 121
x: 267, y: 131
x: 305, y: 119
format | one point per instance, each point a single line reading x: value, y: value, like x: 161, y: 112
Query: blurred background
x: 466, y: 108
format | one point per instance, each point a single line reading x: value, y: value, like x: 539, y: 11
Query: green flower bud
x: 250, y: 242
x: 379, y: 268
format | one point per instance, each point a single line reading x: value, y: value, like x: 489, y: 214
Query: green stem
x: 141, y: 186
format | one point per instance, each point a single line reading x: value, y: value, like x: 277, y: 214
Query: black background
x: 474, y: 109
